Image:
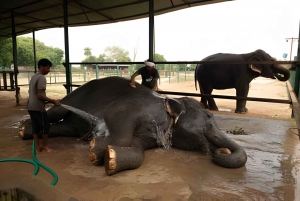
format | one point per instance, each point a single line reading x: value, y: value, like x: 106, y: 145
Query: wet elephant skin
x: 120, y: 122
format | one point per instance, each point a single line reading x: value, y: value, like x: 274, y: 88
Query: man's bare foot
x: 38, y: 150
x: 47, y: 149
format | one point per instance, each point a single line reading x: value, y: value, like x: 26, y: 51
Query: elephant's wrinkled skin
x: 238, y: 76
x: 123, y: 121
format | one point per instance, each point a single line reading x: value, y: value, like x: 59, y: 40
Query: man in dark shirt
x: 149, y: 76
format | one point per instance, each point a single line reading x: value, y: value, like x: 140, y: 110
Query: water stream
x: 98, y: 125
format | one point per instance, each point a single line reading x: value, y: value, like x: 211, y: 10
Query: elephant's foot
x: 241, y: 111
x: 97, y: 150
x: 25, y: 130
x: 212, y: 105
x: 214, y: 108
x: 118, y: 159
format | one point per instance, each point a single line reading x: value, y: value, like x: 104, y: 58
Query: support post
x: 34, y: 51
x: 16, y: 71
x: 66, y: 34
x: 97, y: 71
x: 151, y: 30
x: 84, y: 74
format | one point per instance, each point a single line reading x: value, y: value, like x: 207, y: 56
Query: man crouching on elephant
x: 149, y: 75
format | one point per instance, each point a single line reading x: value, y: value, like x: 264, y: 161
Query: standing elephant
x: 238, y: 76
x: 120, y: 122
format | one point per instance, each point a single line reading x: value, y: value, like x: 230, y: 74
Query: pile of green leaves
x: 237, y: 131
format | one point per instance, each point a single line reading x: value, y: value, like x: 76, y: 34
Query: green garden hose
x: 55, y: 177
x: 36, y: 169
x: 36, y: 164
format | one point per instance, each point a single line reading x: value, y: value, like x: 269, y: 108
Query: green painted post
x: 97, y: 72
x: 84, y: 74
x: 185, y: 72
x: 177, y: 73
x: 71, y: 79
x: 169, y: 73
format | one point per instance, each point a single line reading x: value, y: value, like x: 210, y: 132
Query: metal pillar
x: 297, y: 76
x: 97, y: 71
x: 151, y: 30
x: 298, y: 51
x: 34, y: 51
x: 67, y: 61
x: 14, y: 43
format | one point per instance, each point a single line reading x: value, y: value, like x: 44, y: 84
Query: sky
x: 194, y: 33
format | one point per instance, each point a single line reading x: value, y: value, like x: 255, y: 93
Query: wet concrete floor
x: 271, y: 172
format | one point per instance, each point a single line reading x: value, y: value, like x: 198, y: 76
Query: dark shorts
x: 40, y: 122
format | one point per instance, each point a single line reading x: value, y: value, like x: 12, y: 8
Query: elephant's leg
x: 118, y: 158
x: 98, y: 146
x: 203, y: 100
x: 207, y: 89
x: 241, y: 104
x: 66, y: 128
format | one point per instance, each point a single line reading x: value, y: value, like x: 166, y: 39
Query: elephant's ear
x: 174, y: 108
x: 255, y: 67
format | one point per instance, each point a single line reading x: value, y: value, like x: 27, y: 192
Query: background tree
x: 25, y: 52
x: 192, y: 67
x: 159, y: 57
x: 116, y: 54
x: 87, y: 52
x: 88, y: 59
x: 101, y: 58
x: 6, y: 57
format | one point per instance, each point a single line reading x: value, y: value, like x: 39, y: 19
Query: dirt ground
x: 271, y: 143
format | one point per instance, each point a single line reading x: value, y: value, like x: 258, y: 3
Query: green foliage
x: 25, y: 51
x: 237, y: 131
x: 55, y: 55
x: 192, y: 67
x: 88, y: 59
x: 87, y: 52
x: 6, y: 57
x: 101, y: 58
x: 116, y: 54
x: 25, y: 54
x: 159, y: 57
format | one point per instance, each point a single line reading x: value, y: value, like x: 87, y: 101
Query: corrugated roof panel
x: 41, y: 14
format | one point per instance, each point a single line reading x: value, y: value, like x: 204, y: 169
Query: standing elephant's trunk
x: 281, y: 73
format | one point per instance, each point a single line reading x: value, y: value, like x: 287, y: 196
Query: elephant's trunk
x: 281, y: 73
x: 236, y: 159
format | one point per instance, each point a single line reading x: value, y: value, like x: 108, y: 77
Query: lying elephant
x: 238, y: 76
x: 120, y: 122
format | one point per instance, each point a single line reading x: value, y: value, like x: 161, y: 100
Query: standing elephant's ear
x: 174, y: 108
x: 255, y: 67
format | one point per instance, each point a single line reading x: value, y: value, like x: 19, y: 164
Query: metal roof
x: 33, y: 15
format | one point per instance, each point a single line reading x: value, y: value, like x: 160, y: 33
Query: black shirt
x: 148, y: 77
